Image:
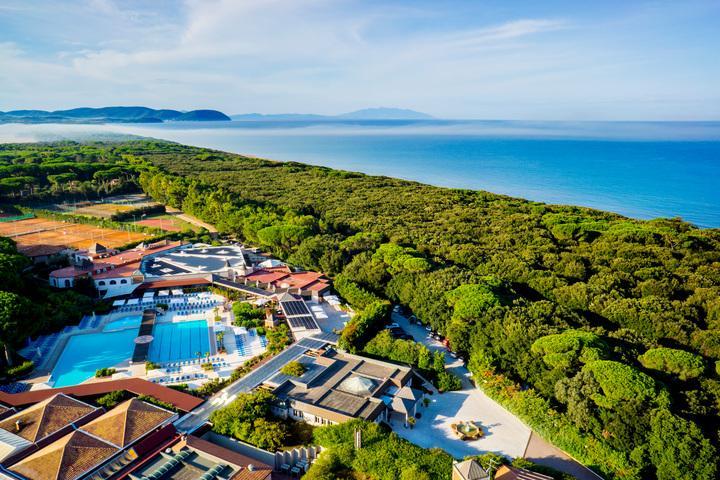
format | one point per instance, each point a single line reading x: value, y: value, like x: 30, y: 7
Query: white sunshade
x: 194, y: 300
x: 177, y: 291
x: 175, y: 301
x: 148, y: 295
x: 133, y: 301
x: 164, y: 293
x: 240, y: 330
x: 118, y: 303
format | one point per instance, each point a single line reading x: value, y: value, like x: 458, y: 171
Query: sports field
x: 169, y: 223
x: 102, y: 210
x: 40, y: 231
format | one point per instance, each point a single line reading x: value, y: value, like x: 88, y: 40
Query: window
x: 101, y: 283
x: 123, y: 281
x: 68, y: 284
x: 113, y: 282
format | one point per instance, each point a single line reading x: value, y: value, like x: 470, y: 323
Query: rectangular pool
x: 179, y: 341
x: 84, y: 354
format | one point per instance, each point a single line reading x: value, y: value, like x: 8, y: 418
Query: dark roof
x: 182, y: 401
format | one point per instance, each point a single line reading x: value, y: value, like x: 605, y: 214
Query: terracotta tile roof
x: 119, y: 272
x: 66, y: 459
x: 512, y: 473
x: 138, y: 386
x: 69, y: 272
x: 265, y: 276
x: 261, y: 471
x: 46, y: 417
x: 127, y: 422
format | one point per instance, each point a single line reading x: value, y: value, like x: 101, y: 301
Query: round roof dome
x: 358, y: 385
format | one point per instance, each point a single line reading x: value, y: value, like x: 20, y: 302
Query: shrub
x: 293, y: 369
x: 159, y: 403
x: 104, y: 372
x: 362, y: 325
x: 566, y: 349
x: 248, y: 418
x: 448, y: 381
x: 110, y: 400
x: 684, y: 365
x: 20, y: 370
x: 620, y: 382
x: 247, y: 315
x: 151, y: 366
x: 355, y: 295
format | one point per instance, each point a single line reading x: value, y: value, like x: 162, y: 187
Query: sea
x: 638, y: 169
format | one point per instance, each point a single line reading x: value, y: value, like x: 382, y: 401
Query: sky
x: 504, y: 59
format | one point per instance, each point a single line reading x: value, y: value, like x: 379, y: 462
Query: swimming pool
x: 84, y: 354
x: 179, y: 341
x: 123, y: 323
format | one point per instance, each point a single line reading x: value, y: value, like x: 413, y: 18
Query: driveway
x: 505, y: 434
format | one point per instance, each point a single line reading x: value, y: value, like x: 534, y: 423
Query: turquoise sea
x: 638, y: 169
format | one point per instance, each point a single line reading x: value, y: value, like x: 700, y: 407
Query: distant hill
x: 386, y: 114
x: 380, y: 113
x: 111, y: 115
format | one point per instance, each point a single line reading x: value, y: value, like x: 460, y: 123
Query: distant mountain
x: 111, y: 115
x: 386, y: 114
x: 364, y: 114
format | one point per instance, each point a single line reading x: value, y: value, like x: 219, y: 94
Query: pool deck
x: 225, y: 363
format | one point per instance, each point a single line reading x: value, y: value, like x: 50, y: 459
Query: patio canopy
x: 148, y: 296
x: 118, y: 303
x: 164, y: 293
x: 133, y: 301
x: 177, y: 291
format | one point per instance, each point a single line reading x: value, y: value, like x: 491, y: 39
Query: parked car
x: 406, y: 336
x: 413, y: 319
x: 391, y: 326
x: 396, y: 309
x: 396, y: 332
x: 428, y: 328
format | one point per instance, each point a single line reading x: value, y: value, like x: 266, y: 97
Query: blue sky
x: 505, y: 59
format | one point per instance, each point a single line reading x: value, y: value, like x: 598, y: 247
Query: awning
x: 164, y: 293
x: 133, y: 301
x: 177, y: 292
x: 148, y: 296
x: 118, y: 303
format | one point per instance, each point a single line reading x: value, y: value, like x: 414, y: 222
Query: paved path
x: 190, y: 219
x: 543, y: 453
x: 504, y: 433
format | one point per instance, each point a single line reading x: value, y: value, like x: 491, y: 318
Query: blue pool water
x: 179, y: 341
x: 84, y: 354
x: 123, y: 323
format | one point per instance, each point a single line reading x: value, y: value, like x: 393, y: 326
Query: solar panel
x: 303, y: 322
x: 294, y: 308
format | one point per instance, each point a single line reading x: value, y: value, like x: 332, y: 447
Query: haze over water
x: 638, y: 169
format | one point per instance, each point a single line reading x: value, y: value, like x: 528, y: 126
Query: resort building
x: 337, y: 387
x: 469, y: 470
x: 194, y: 457
x: 41, y: 424
x: 281, y: 279
x: 98, y: 448
x: 300, y: 319
x: 98, y: 260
